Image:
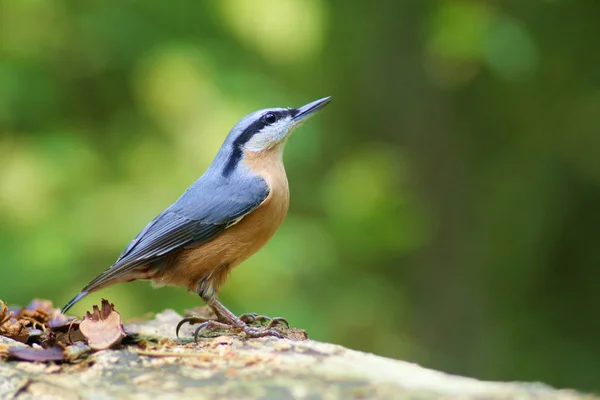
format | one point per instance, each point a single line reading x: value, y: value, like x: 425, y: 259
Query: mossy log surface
x: 160, y: 366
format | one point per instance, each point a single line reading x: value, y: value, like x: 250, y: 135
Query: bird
x: 222, y: 219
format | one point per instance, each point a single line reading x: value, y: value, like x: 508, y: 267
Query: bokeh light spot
x: 509, y: 50
x: 458, y: 29
x: 283, y: 31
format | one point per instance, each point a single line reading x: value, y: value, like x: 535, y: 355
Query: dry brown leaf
x: 40, y: 324
x: 34, y: 323
x: 41, y: 306
x: 11, y: 326
x: 102, y: 328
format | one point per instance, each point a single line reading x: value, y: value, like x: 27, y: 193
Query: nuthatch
x: 226, y: 216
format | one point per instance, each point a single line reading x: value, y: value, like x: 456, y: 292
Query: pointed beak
x: 311, y: 108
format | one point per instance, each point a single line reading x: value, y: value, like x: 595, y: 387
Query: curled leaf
x: 102, y: 327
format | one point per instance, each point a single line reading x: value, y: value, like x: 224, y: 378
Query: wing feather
x: 185, y: 224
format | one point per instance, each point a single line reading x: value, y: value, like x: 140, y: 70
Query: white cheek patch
x: 270, y: 135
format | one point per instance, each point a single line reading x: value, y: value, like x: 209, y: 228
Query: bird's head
x: 266, y: 129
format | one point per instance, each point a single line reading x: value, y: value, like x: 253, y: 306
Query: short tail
x: 73, y: 301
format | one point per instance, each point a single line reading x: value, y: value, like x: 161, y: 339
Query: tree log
x: 160, y: 366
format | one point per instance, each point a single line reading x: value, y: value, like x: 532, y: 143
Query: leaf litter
x: 47, y: 335
x: 53, y: 336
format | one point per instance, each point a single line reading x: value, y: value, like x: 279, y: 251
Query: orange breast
x: 213, y: 260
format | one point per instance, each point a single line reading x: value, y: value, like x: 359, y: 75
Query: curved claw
x: 263, y: 318
x: 198, y: 329
x: 277, y: 321
x: 191, y: 321
x: 249, y: 317
x: 208, y: 324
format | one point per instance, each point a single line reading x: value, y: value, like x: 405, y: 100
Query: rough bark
x: 159, y: 366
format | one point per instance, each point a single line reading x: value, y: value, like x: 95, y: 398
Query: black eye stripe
x: 271, y: 117
x: 251, y: 130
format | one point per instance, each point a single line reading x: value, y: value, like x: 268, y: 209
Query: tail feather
x: 105, y: 279
x: 74, y: 300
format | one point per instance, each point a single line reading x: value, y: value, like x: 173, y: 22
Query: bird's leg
x: 226, y: 320
x: 207, y: 293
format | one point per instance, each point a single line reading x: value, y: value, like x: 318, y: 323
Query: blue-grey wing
x: 202, y: 213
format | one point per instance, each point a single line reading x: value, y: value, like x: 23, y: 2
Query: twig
x: 166, y: 354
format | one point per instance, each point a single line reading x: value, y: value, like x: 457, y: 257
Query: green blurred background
x: 444, y: 206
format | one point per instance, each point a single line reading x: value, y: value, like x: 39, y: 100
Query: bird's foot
x: 210, y: 324
x: 253, y: 325
x: 257, y: 319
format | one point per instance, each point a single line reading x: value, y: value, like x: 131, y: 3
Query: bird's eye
x: 269, y: 118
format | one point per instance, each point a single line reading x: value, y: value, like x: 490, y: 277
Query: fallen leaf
x: 102, y: 328
x: 32, y: 354
x: 40, y: 305
x: 11, y: 326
